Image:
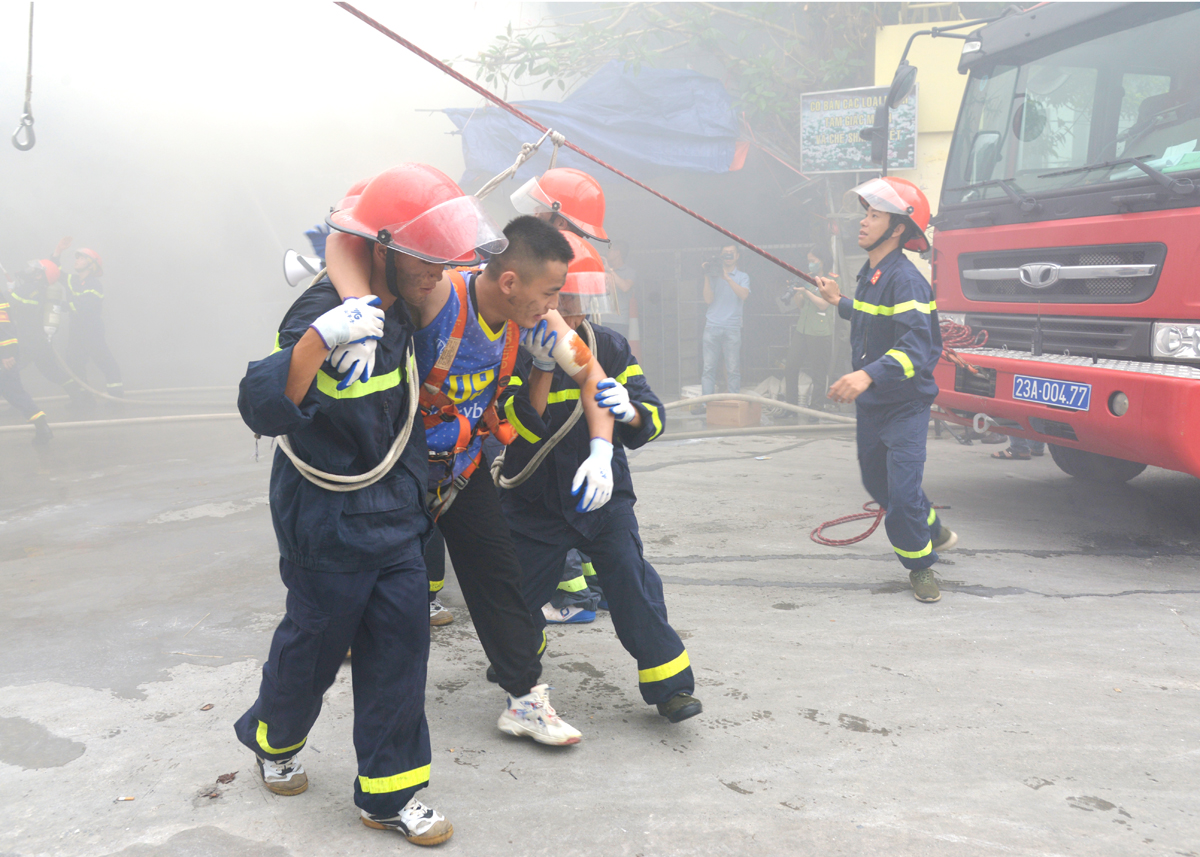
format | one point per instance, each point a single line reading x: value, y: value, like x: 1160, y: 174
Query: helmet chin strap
x: 886, y: 235
x: 389, y: 268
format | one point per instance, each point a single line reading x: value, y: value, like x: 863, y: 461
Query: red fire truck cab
x: 1069, y: 230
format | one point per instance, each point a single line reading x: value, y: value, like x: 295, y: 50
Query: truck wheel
x: 1093, y: 466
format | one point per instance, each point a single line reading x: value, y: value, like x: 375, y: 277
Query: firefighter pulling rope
x: 24, y: 138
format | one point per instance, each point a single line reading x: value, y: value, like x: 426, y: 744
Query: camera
x: 713, y: 266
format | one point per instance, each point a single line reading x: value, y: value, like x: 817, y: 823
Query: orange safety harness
x: 437, y: 407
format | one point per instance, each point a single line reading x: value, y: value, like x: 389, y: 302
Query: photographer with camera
x: 810, y: 346
x: 725, y: 290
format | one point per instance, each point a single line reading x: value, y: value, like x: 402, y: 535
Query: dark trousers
x: 87, y: 343
x: 632, y: 587
x: 14, y: 391
x: 489, y: 575
x: 578, y: 587
x: 891, y: 456
x: 36, y: 349
x: 435, y: 563
x: 383, y: 616
x: 810, y: 354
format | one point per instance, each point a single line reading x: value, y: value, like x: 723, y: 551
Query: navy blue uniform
x: 545, y: 524
x: 10, y: 379
x: 86, y: 299
x: 26, y: 309
x: 895, y: 338
x: 351, y: 561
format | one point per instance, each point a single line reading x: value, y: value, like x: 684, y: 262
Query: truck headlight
x: 1177, y: 340
x: 972, y: 45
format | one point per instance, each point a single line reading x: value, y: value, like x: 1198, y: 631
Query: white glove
x: 356, y: 359
x: 596, y: 470
x: 355, y: 319
x: 615, y: 397
x: 539, y: 341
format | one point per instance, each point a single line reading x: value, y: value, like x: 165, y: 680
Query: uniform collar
x: 867, y: 273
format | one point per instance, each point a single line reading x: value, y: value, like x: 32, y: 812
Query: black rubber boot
x: 681, y: 706
x: 41, y: 431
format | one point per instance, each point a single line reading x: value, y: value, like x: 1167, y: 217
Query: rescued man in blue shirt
x: 352, y: 559
x: 466, y: 345
x: 544, y: 513
x: 896, y: 343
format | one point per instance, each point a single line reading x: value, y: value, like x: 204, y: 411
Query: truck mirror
x: 877, y: 135
x: 902, y: 83
x: 985, y: 149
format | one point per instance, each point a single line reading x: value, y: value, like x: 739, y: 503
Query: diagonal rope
x: 500, y: 102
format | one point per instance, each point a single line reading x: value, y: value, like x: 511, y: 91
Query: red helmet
x: 44, y: 267
x: 352, y: 195
x: 898, y: 196
x: 94, y: 256
x: 419, y: 211
x: 573, y: 194
x: 586, y: 290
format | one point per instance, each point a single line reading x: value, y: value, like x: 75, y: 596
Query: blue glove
x: 596, y: 471
x: 316, y: 237
x: 539, y: 341
x: 356, y: 359
x: 615, y: 397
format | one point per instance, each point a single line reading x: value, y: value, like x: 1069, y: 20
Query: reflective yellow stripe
x: 588, y: 570
x: 562, y: 396
x: 514, y: 381
x: 394, y: 783
x: 510, y: 414
x: 932, y: 516
x: 902, y: 358
x: 655, y: 418
x: 277, y: 347
x: 630, y: 371
x: 37, y: 415
x: 327, y: 384
x: 8, y: 342
x: 261, y: 736
x: 436, y: 585
x: 542, y: 647
x: 667, y: 670
x: 576, y: 585
x: 872, y: 309
x: 925, y: 551
x: 28, y: 301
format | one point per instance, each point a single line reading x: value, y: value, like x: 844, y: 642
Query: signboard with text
x: 829, y: 126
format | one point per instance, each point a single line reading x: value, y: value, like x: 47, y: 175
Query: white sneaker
x: 533, y: 715
x: 284, y: 777
x: 572, y: 615
x: 419, y: 824
x: 438, y: 614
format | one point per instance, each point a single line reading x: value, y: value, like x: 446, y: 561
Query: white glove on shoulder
x: 355, y: 319
x: 596, y: 471
x: 613, y: 395
x: 539, y: 341
x: 356, y: 359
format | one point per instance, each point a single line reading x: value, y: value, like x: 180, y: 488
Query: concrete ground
x: 1046, y: 706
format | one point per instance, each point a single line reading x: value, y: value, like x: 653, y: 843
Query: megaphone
x: 300, y: 270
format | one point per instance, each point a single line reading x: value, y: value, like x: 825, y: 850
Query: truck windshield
x: 1134, y: 93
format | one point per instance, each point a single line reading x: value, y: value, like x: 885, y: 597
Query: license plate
x: 1047, y: 391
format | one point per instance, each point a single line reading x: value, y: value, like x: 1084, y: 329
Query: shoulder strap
x: 437, y: 375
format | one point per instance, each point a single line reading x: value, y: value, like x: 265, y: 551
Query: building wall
x: 940, y: 93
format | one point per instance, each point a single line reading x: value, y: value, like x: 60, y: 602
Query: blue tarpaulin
x: 656, y: 118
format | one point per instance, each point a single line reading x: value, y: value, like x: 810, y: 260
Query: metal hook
x: 25, y: 129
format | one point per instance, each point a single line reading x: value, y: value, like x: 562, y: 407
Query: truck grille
x: 1119, y: 338
x: 1117, y: 273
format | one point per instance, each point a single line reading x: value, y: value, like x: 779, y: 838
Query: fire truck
x: 1068, y: 230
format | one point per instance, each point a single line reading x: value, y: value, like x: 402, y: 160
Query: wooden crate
x: 734, y: 414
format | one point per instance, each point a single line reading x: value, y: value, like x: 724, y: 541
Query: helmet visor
x: 881, y: 196
x: 457, y: 231
x: 532, y: 198
x: 584, y: 293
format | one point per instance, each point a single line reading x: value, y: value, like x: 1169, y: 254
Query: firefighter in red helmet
x: 352, y: 560
x: 85, y: 292
x: 896, y: 343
